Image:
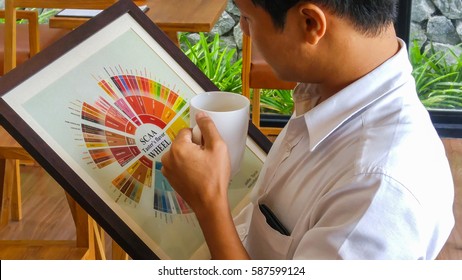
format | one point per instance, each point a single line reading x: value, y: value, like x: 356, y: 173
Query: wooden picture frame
x: 98, y: 109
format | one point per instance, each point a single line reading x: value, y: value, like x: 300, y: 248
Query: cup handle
x: 196, y: 135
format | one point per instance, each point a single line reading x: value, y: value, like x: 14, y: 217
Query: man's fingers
x: 208, y: 129
x: 184, y: 135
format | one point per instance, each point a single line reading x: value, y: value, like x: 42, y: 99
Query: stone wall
x: 438, y: 22
x: 227, y: 27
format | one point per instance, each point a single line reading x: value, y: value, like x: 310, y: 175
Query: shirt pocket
x: 263, y: 242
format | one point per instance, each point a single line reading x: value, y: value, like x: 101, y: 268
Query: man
x: 358, y: 172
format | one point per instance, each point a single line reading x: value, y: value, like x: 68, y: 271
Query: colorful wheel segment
x: 165, y: 198
x: 132, y: 125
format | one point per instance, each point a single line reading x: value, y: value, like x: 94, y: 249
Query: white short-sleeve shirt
x: 362, y: 175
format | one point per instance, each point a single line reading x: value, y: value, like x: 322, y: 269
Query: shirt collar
x: 329, y: 115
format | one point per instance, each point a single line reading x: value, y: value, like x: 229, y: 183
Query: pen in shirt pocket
x: 272, y: 220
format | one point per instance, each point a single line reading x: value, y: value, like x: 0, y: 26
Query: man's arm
x: 200, y: 175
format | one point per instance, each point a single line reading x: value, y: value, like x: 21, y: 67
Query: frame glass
x: 98, y: 109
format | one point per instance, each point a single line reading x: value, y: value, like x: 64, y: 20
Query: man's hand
x: 199, y: 173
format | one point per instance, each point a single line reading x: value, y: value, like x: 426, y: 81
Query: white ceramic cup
x: 230, y: 114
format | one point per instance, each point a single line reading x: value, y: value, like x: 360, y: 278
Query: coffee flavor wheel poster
x: 113, y: 119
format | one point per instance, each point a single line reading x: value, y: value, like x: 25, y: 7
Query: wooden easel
x: 11, y: 153
x: 90, y: 240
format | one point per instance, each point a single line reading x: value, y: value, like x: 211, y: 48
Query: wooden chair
x: 85, y: 247
x: 28, y: 44
x: 10, y: 44
x: 30, y: 37
x: 26, y: 31
x: 256, y: 75
x: 10, y: 155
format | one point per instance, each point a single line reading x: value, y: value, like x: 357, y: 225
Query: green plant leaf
x: 215, y: 61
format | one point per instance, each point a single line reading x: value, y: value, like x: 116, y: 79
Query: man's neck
x: 359, y: 56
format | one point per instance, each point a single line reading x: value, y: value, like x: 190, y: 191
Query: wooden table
x: 171, y: 16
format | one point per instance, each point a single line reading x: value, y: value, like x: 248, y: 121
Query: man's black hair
x: 368, y: 16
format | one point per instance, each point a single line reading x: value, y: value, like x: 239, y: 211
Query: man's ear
x: 315, y: 22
